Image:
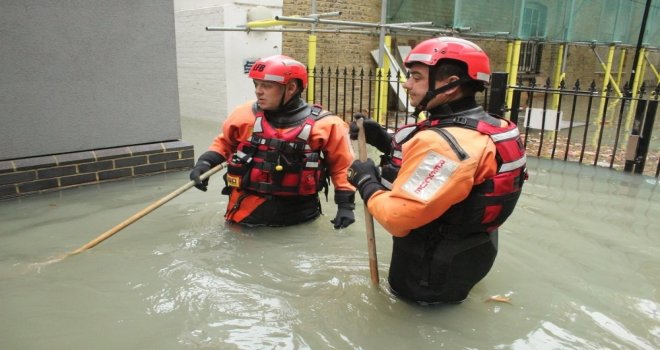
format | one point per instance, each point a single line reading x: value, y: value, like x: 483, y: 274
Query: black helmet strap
x: 431, y: 93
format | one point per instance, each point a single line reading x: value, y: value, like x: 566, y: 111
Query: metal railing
x: 590, y: 125
x: 571, y: 123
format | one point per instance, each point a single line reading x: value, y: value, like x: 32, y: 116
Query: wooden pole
x: 153, y: 206
x: 368, y: 219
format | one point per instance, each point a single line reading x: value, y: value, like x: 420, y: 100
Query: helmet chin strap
x: 430, y: 94
x: 282, y: 102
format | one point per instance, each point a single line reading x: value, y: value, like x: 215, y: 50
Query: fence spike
x: 547, y: 83
x: 562, y: 84
x: 642, y: 89
x: 592, y: 87
x: 577, y: 85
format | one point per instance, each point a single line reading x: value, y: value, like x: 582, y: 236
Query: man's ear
x: 453, y: 90
x: 291, y: 88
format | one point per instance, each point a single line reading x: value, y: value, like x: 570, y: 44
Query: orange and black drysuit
x: 448, y: 183
x: 277, y: 163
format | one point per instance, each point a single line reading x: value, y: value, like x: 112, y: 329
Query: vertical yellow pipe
x: 622, y: 61
x: 509, y: 53
x: 513, y: 75
x: 642, y: 72
x: 635, y: 87
x: 311, y: 64
x: 638, y: 77
x: 383, y: 83
x: 556, y: 77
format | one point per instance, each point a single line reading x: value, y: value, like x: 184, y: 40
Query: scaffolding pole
x: 513, y: 76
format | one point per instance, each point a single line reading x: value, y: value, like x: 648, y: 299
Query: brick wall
x: 342, y: 50
x: 19, y: 177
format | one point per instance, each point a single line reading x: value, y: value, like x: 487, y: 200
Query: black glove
x: 206, y: 161
x: 374, y: 133
x: 364, y: 176
x: 345, y: 201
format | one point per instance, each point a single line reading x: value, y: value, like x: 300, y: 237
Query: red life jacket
x: 278, y: 163
x: 493, y: 200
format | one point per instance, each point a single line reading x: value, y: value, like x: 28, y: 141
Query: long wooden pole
x: 153, y: 206
x: 368, y: 219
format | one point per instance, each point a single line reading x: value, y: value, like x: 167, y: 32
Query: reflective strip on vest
x: 513, y: 165
x: 257, y: 125
x: 511, y: 134
x: 305, y: 132
x: 404, y: 132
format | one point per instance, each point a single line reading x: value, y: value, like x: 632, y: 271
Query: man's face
x: 418, y: 84
x: 269, y: 94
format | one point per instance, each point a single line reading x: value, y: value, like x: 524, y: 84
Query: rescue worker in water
x: 280, y: 152
x: 447, y: 183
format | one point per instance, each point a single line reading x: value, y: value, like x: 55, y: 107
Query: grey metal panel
x: 79, y: 75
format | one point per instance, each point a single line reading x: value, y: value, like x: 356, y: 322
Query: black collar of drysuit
x: 452, y: 107
x: 291, y: 114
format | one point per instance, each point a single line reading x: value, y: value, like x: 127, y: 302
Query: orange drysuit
x: 329, y: 135
x: 407, y: 206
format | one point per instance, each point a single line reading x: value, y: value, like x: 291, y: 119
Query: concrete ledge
x: 20, y: 177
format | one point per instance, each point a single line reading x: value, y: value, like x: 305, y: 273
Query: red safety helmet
x: 280, y: 69
x: 431, y: 51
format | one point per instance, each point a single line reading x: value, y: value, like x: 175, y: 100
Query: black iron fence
x: 592, y: 125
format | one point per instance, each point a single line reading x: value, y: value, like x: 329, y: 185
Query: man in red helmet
x: 280, y: 152
x: 447, y: 183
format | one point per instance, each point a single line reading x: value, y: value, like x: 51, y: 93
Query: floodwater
x: 579, y: 260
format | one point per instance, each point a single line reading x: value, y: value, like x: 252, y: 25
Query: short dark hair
x: 448, y: 67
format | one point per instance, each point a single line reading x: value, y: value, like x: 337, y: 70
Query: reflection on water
x: 579, y: 260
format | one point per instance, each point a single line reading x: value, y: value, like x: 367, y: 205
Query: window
x: 533, y: 26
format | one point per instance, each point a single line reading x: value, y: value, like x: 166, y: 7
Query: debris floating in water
x: 499, y: 298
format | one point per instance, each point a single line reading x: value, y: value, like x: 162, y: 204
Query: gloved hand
x: 345, y: 201
x: 206, y: 161
x: 374, y: 133
x: 365, y: 177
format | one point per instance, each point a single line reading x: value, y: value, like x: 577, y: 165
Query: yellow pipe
x: 513, y: 75
x: 509, y: 53
x: 642, y: 73
x: 268, y: 23
x: 622, y: 61
x: 608, y: 78
x: 383, y: 83
x: 311, y: 64
x: 638, y: 77
x: 655, y: 71
x: 635, y: 86
x: 606, y: 81
x: 556, y: 77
